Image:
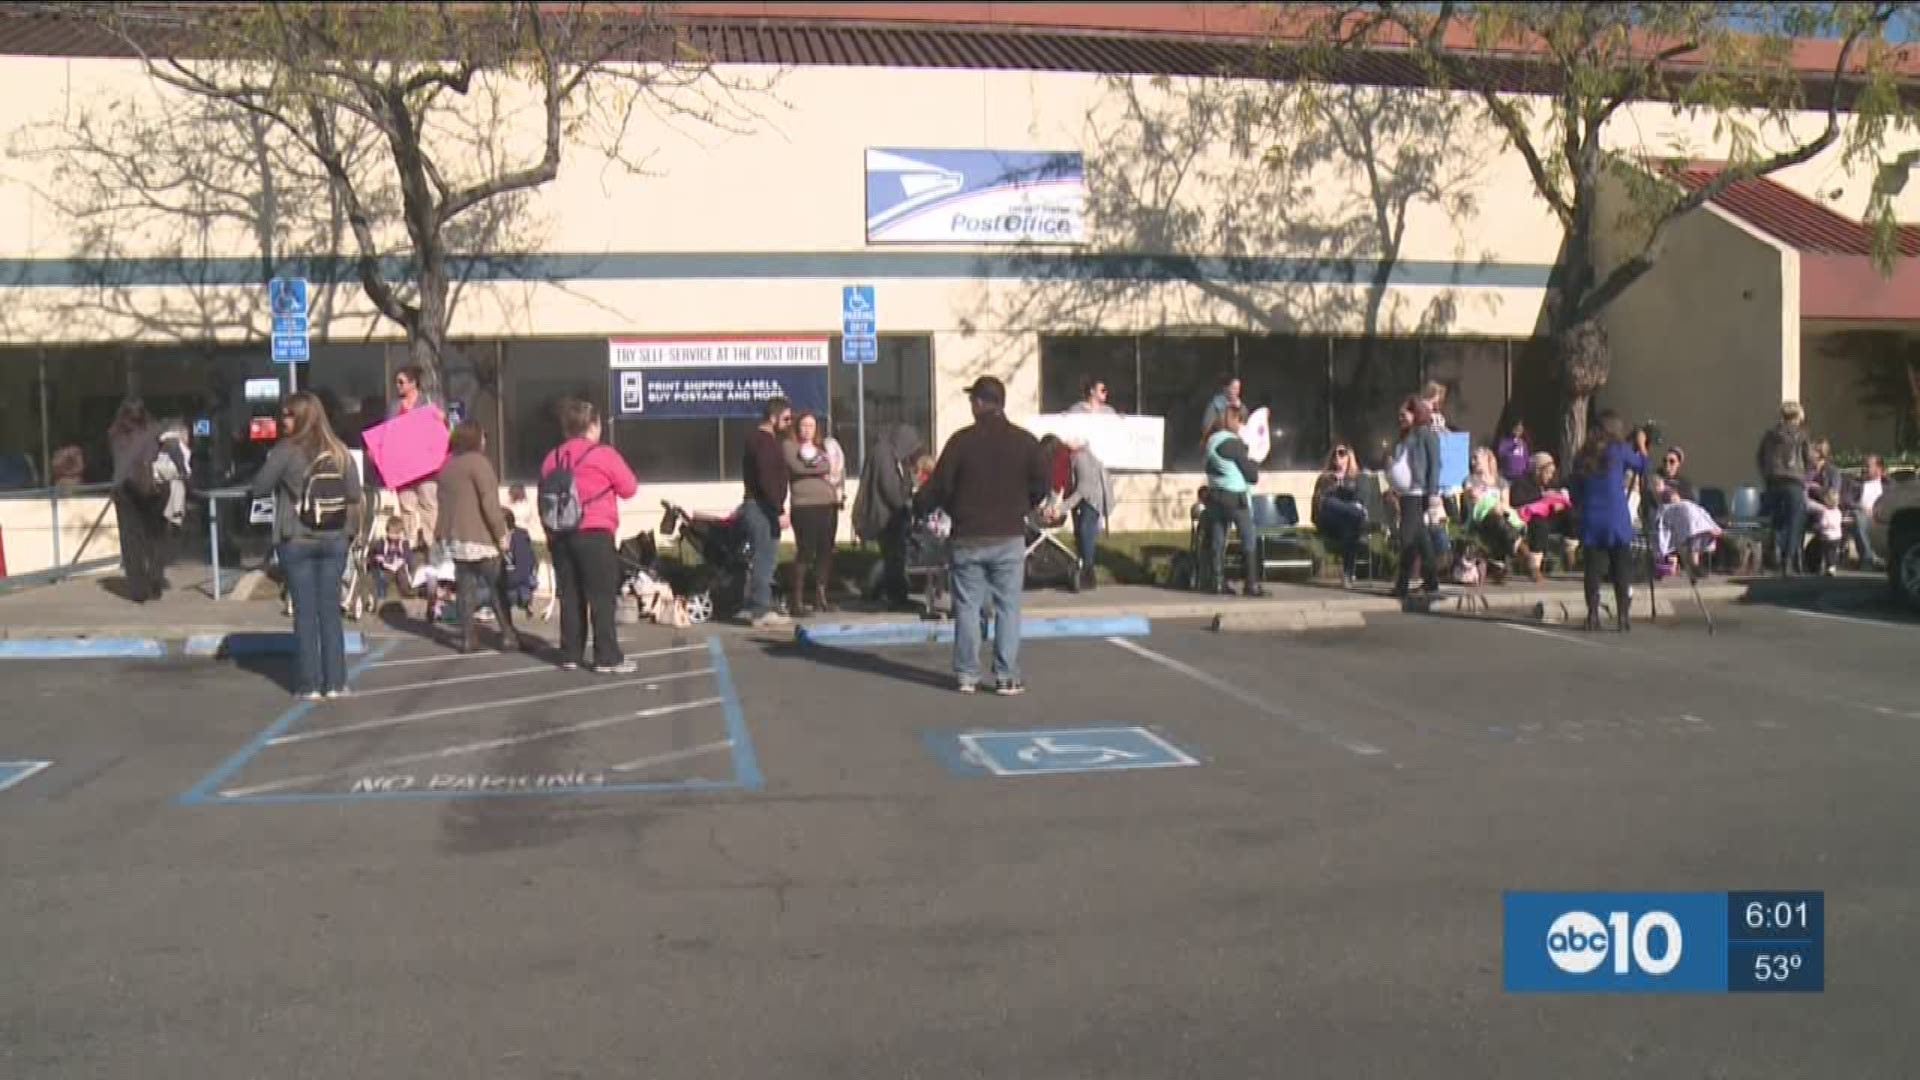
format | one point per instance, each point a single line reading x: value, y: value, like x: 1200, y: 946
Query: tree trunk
x: 1585, y: 362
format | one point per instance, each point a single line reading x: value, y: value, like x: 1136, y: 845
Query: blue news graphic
x: 1672, y: 943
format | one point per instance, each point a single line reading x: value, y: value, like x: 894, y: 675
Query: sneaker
x: 968, y: 686
x: 311, y: 695
x: 1009, y: 688
x: 569, y: 665
x: 771, y: 620
x: 624, y: 667
x: 335, y: 695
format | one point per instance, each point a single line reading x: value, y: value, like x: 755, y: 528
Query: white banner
x: 1122, y: 443
x: 716, y: 352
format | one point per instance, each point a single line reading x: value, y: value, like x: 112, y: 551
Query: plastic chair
x: 1714, y: 501
x: 1746, y: 507
x: 1276, y: 521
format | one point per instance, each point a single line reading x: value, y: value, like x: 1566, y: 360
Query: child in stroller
x: 929, y: 545
x: 716, y: 587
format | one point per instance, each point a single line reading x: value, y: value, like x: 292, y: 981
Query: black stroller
x: 715, y: 587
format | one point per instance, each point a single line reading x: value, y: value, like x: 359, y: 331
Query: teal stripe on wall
x: 881, y: 265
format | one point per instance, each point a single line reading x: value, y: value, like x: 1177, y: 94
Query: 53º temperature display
x: 1674, y: 943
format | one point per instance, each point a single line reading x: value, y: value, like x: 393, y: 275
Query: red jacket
x: 601, y: 477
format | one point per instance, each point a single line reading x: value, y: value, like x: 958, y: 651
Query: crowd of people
x: 453, y: 542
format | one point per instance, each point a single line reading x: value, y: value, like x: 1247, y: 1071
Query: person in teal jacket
x: 1231, y: 475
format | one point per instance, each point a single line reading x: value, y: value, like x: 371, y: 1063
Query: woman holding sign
x: 1231, y: 475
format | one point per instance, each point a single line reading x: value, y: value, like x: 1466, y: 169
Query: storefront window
x: 1475, y: 375
x: 899, y: 390
x: 351, y: 381
x: 1288, y: 376
x: 538, y: 376
x: 23, y: 462
x: 1178, y: 378
x: 1067, y: 362
x: 1371, y: 376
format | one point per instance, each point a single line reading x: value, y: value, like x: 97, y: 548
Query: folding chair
x: 1049, y: 557
x: 1281, y: 540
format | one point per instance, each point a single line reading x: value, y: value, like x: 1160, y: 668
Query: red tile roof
x: 1791, y: 217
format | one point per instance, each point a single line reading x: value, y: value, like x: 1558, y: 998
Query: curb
x: 854, y: 635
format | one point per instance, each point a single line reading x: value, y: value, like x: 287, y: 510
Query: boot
x: 468, y: 633
x: 823, y: 580
x: 797, y: 580
x: 1593, y: 621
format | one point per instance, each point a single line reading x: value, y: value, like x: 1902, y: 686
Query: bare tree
x: 549, y: 76
x: 1734, y: 63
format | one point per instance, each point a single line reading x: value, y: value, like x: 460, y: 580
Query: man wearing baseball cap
x: 989, y: 477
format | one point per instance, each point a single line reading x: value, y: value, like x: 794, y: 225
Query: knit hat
x: 1542, y: 458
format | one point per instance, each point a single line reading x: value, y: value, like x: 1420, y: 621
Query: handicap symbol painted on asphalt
x: 1036, y: 753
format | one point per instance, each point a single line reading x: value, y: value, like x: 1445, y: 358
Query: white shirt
x: 1870, y: 494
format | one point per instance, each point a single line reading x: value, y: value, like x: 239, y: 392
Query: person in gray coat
x: 1090, y: 504
x: 882, y: 511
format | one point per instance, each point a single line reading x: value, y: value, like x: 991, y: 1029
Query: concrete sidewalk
x: 90, y: 608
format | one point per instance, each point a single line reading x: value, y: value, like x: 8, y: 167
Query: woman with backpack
x: 316, y: 502
x: 581, y: 484
x: 472, y: 528
x: 138, y: 503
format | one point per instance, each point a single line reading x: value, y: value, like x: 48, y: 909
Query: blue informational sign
x: 287, y: 300
x: 1665, y: 943
x: 976, y: 196
x: 1071, y: 750
x: 1456, y: 454
x: 859, y: 326
x: 203, y: 428
x: 723, y: 391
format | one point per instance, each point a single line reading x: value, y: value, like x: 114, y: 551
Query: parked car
x: 1896, y: 531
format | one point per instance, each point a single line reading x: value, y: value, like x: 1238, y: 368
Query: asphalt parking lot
x: 1272, y: 856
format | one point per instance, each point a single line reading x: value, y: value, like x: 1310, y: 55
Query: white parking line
x: 1555, y: 636
x: 456, y: 710
x: 675, y: 755
x: 1259, y: 704
x: 490, y: 653
x: 509, y: 673
x: 1875, y: 624
x: 468, y: 748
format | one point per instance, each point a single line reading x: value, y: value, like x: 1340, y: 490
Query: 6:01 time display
x: 1777, y: 915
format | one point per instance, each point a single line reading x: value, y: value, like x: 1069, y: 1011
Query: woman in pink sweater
x: 586, y: 564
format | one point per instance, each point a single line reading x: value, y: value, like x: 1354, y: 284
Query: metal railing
x: 62, y: 568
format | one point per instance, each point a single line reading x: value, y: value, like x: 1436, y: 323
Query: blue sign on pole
x: 287, y: 301
x: 860, y: 343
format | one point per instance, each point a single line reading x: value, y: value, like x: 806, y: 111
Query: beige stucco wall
x: 1707, y: 343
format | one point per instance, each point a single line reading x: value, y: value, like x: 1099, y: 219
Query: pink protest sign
x: 409, y: 447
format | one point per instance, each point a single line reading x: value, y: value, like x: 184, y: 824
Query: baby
x: 1683, y: 530
x: 1832, y: 533
x: 389, y: 560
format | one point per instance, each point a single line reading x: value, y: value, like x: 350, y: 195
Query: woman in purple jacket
x: 1599, y: 492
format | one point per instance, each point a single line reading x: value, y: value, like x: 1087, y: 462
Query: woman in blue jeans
x: 316, y: 501
x: 1337, y: 510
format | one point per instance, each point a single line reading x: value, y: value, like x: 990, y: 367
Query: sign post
x: 859, y: 346
x: 287, y: 303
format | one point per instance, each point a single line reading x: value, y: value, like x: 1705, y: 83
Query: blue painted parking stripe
x: 746, y: 763
x: 203, y: 791
x: 106, y: 648
x: 855, y: 635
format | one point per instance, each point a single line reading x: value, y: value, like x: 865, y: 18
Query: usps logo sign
x: 976, y: 196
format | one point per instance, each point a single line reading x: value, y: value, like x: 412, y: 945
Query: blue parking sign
x: 1070, y: 750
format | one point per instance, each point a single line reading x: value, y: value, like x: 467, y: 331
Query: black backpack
x: 323, y: 496
x: 561, y: 510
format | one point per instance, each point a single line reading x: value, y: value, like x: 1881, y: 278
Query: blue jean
x: 1086, y: 535
x: 1789, y: 523
x: 994, y: 570
x: 1863, y: 539
x: 763, y: 533
x: 313, y: 569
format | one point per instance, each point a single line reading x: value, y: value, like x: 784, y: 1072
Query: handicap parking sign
x: 1069, y: 750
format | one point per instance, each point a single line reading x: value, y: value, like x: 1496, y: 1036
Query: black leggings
x: 1416, y: 542
x: 1603, y: 562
